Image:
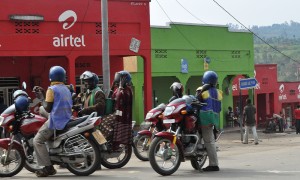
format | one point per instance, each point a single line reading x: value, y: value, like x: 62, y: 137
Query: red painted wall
x: 271, y: 96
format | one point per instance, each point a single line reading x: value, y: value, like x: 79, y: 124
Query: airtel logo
x: 69, y: 40
x: 281, y: 88
x: 66, y: 15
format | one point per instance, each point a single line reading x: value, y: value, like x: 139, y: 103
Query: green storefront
x: 183, y: 52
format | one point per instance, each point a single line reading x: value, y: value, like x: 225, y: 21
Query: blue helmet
x: 210, y: 77
x: 123, y: 76
x: 22, y: 104
x: 57, y: 73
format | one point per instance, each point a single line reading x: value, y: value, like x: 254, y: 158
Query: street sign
x: 248, y: 83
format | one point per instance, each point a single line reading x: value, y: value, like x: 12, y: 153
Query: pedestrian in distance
x: 249, y: 121
x: 297, y: 117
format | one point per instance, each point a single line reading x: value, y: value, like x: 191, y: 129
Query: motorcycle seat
x: 72, y: 123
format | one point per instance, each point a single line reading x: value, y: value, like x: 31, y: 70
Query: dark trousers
x: 280, y: 125
x: 298, y: 126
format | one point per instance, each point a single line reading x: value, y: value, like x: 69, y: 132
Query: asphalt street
x: 276, y: 157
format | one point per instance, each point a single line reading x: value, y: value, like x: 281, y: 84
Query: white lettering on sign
x: 68, y: 20
x: 234, y: 87
x: 68, y: 41
x: 137, y: 4
x: 282, y: 97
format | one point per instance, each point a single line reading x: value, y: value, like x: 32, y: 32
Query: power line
x: 256, y: 34
x: 175, y: 26
x: 190, y: 12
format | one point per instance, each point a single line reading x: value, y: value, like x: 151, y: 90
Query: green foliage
x: 285, y: 38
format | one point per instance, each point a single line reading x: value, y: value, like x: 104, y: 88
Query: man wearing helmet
x: 177, y: 89
x: 209, y: 116
x: 123, y: 109
x: 93, y: 100
x: 58, y: 103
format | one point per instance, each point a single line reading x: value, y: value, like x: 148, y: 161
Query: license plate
x: 99, y: 137
x: 148, y: 123
x: 167, y: 121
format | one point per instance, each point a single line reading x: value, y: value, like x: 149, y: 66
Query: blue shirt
x: 62, y: 107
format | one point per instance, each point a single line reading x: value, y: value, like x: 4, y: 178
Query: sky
x: 248, y: 12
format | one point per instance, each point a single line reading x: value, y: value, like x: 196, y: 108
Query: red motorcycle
x: 142, y: 141
x: 77, y: 145
x: 183, y: 141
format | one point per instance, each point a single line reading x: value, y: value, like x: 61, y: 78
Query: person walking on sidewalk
x: 249, y: 121
x: 297, y: 117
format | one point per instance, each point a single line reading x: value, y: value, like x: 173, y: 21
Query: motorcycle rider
x: 209, y: 116
x: 58, y: 103
x: 177, y: 89
x: 123, y: 109
x: 93, y: 100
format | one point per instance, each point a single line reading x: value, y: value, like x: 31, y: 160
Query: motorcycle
x: 143, y: 139
x: 77, y: 145
x: 182, y: 141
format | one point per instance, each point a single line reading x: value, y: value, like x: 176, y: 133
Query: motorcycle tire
x: 32, y: 166
x: 79, y: 171
x: 198, y: 162
x: 19, y: 166
x: 157, y: 153
x: 141, y: 151
x: 120, y: 163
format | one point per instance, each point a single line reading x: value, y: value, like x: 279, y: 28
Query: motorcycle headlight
x: 169, y: 110
x: 1, y: 120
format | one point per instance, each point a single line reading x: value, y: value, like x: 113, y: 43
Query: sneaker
x: 256, y: 143
x: 45, y: 171
x: 211, y: 168
x: 244, y: 143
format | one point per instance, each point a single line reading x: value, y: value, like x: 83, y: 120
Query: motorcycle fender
x: 4, y: 143
x: 145, y: 132
x: 173, y: 139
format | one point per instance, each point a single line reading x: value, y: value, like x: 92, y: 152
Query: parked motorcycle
x: 77, y: 145
x: 182, y: 142
x: 143, y: 139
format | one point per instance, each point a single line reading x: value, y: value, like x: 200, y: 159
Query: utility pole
x: 105, y: 48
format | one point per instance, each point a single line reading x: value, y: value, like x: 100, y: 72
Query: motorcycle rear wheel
x: 142, y: 144
x: 164, y: 159
x: 14, y: 162
x: 117, y: 162
x: 93, y: 158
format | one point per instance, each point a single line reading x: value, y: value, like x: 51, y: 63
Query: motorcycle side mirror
x: 24, y: 85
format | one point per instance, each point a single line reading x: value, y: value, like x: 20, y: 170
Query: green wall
x: 230, y: 54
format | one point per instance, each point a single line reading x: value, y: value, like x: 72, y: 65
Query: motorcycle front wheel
x: 12, y: 164
x: 142, y: 144
x: 91, y: 164
x: 163, y: 156
x: 117, y: 159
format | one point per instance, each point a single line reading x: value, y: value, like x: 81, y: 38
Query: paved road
x: 276, y: 157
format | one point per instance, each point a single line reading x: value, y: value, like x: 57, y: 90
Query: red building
x: 35, y: 35
x: 271, y: 96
